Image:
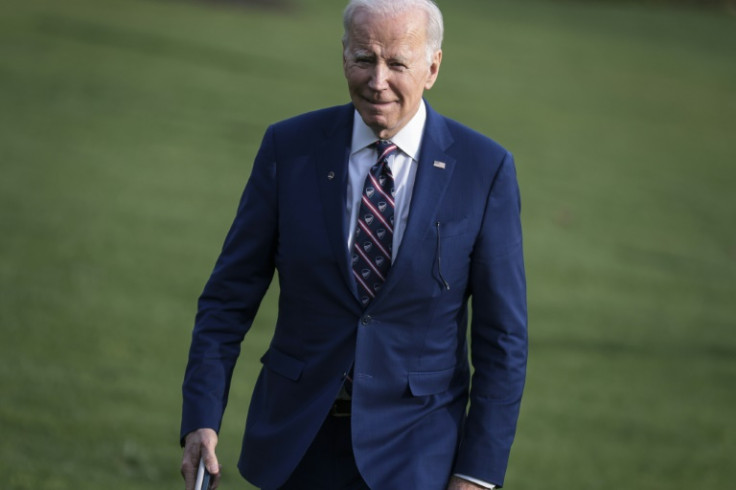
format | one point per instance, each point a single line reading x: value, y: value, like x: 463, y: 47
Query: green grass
x: 127, y: 129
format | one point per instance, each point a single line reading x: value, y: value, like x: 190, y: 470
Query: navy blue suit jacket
x: 408, y: 348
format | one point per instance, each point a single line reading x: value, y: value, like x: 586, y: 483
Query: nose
x: 379, y: 77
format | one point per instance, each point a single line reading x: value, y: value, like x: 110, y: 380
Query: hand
x: 457, y: 483
x: 200, y: 443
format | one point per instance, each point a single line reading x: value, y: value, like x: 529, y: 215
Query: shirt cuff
x: 482, y: 483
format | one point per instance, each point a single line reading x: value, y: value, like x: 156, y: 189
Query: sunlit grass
x: 127, y: 130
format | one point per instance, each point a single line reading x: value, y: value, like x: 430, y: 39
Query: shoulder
x: 471, y: 139
x: 479, y: 159
x: 300, y: 136
x: 458, y: 138
x: 313, y: 123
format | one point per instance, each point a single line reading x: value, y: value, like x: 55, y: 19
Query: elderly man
x: 384, y: 220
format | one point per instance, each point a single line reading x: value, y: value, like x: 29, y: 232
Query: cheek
x: 350, y: 72
x: 409, y: 89
x: 356, y: 79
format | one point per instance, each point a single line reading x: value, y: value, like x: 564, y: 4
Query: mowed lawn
x: 127, y: 131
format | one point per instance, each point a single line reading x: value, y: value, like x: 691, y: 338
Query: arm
x: 498, y: 334
x: 231, y: 298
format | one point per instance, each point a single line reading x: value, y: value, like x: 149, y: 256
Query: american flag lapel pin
x: 439, y: 164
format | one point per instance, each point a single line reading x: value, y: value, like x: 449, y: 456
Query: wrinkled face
x: 386, y: 67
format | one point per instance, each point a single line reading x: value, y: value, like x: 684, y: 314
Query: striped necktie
x: 373, y: 244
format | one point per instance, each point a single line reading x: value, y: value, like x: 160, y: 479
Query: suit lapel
x: 434, y: 172
x: 331, y: 163
x: 433, y: 175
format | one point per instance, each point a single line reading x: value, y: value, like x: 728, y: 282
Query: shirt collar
x: 409, y: 139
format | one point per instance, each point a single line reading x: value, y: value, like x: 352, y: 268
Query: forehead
x: 390, y: 33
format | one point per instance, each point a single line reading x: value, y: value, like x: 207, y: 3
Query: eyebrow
x: 364, y: 53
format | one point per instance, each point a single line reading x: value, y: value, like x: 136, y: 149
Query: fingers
x: 457, y: 483
x: 188, y: 471
x: 215, y: 479
x: 212, y: 465
x: 200, y: 444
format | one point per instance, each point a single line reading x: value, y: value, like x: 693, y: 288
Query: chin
x: 376, y: 123
x: 380, y: 129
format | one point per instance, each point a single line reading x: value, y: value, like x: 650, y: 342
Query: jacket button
x: 366, y: 320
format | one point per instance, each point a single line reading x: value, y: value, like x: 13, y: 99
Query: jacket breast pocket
x: 283, y: 364
x: 448, y: 228
x: 431, y: 382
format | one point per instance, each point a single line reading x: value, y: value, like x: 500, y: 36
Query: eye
x: 363, y: 60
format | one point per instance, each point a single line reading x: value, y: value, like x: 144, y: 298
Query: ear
x: 434, y: 70
x: 344, y: 58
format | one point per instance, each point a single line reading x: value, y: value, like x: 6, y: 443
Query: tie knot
x: 385, y: 149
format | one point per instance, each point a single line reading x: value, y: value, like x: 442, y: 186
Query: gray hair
x: 435, y: 26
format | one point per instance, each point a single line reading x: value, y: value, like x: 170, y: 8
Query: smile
x: 378, y: 103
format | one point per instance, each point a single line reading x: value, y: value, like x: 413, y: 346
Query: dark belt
x: 341, y: 408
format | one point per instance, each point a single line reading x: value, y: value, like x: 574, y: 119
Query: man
x: 383, y: 219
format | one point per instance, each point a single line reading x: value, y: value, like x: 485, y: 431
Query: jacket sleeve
x: 498, y: 333
x: 231, y: 297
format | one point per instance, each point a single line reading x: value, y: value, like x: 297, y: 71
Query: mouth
x: 379, y: 104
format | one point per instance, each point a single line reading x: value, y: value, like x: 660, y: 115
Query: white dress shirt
x: 403, y: 165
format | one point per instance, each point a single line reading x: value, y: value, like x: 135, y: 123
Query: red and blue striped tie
x: 373, y: 244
